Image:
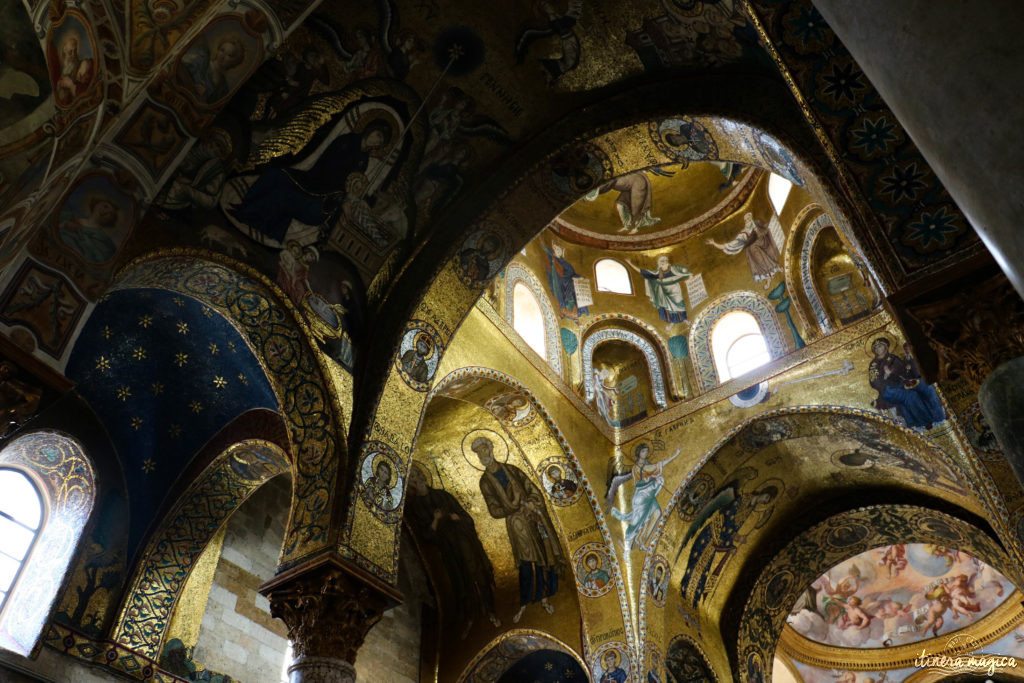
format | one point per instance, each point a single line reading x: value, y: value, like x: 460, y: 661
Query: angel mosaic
x: 633, y: 203
x: 558, y: 25
x: 645, y: 510
x: 757, y: 242
x: 718, y: 530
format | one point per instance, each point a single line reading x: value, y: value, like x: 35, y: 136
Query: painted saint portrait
x: 418, y: 356
x: 685, y: 663
x: 562, y: 277
x: 95, y: 219
x: 482, y: 256
x: 657, y: 580
x: 511, y: 408
x: 509, y: 494
x: 71, y: 59
x: 216, y: 62
x: 664, y: 288
x: 611, y: 664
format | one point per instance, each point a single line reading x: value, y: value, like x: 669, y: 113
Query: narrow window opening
x: 778, y: 191
x: 527, y: 318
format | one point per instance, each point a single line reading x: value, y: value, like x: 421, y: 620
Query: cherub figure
x: 855, y: 616
x: 940, y: 602
x: 895, y: 559
x: 961, y: 590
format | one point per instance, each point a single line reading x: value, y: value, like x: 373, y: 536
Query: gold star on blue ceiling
x: 147, y: 367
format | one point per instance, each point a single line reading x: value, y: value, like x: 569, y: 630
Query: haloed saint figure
x: 510, y: 495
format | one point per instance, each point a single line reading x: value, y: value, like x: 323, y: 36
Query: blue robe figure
x: 899, y: 385
x: 310, y: 196
x: 717, y: 525
x: 561, y: 281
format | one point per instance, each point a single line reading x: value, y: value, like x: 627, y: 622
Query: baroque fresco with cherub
x: 898, y: 594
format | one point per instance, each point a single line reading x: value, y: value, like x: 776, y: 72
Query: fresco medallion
x: 898, y: 594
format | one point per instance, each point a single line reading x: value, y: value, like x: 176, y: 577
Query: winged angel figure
x: 561, y: 27
x: 720, y: 527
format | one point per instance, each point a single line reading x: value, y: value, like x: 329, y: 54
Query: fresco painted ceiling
x: 164, y: 373
x: 899, y: 594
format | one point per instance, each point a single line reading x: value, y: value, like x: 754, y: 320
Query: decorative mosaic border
x: 815, y: 227
x: 700, y: 332
x: 515, y: 273
x: 283, y: 344
x: 176, y: 545
x: 657, y: 379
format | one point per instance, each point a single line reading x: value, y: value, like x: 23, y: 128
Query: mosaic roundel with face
x: 482, y: 255
x: 595, y: 569
x: 560, y: 481
x: 419, y: 354
x: 380, y: 481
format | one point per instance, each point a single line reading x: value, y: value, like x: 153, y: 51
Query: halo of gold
x: 427, y: 474
x: 618, y: 657
x: 391, y: 468
x: 872, y: 338
x: 493, y: 437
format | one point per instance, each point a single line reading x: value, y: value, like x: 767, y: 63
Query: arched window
x: 612, y: 276
x: 778, y: 191
x: 21, y: 518
x: 41, y: 522
x: 738, y: 345
x: 527, y: 318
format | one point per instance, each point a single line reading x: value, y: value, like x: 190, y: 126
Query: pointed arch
x: 499, y: 655
x: 700, y: 332
x: 174, y: 547
x: 465, y: 384
x: 556, y: 169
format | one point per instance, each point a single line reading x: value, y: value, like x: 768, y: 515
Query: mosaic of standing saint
x: 510, y: 495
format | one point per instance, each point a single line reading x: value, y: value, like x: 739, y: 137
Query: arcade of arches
x: 420, y: 341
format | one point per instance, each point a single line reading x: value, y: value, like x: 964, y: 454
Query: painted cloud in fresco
x: 898, y: 594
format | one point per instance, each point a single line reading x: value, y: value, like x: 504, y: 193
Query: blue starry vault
x: 164, y: 373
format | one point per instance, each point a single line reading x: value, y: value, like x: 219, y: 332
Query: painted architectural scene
x: 406, y: 340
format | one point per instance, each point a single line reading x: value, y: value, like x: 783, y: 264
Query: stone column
x: 977, y: 334
x: 328, y: 605
x: 953, y: 72
x: 1002, y: 403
